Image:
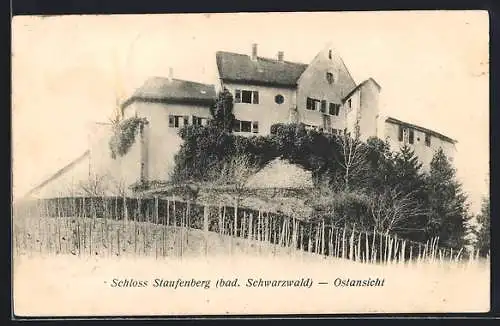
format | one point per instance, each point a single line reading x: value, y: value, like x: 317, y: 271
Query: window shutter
x: 186, y: 120
x: 323, y: 106
x: 412, y: 136
x: 427, y: 139
x: 194, y: 119
x: 255, y: 127
x: 400, y: 137
x: 308, y: 103
x: 237, y: 96
x: 255, y: 97
x: 171, y: 121
x: 337, y: 109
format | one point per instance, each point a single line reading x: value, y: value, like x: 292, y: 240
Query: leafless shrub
x: 392, y: 210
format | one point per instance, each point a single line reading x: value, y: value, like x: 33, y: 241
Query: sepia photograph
x: 250, y: 163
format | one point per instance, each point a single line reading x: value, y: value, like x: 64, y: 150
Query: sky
x: 69, y: 71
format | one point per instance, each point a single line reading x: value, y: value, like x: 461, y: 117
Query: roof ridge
x: 177, y: 79
x: 58, y: 173
x: 264, y: 58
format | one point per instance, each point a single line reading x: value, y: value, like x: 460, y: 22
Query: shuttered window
x: 237, y: 96
x: 323, y: 106
x: 427, y: 139
x: 255, y: 97
x: 255, y: 127
x: 334, y: 109
x: 412, y: 136
x: 312, y: 104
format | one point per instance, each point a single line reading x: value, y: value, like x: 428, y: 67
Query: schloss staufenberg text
x: 246, y: 283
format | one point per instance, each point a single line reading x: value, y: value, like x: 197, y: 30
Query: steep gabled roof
x: 160, y: 89
x: 359, y: 86
x: 59, y: 173
x: 234, y: 67
x: 422, y: 129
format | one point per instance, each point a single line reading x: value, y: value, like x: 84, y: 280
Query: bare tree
x: 393, y: 210
x: 95, y: 186
x: 353, y: 161
x: 235, y: 174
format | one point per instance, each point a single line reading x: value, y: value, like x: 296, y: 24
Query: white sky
x: 68, y: 71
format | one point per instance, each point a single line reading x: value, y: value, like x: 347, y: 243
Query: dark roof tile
x: 234, y: 67
x: 160, y: 89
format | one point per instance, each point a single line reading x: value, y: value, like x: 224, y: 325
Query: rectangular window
x: 400, y: 136
x: 237, y: 96
x: 246, y: 97
x: 255, y: 127
x: 313, y: 104
x: 197, y: 121
x: 323, y: 106
x: 310, y: 104
x: 171, y: 121
x: 331, y: 108
x: 427, y: 140
x: 405, y: 135
x: 334, y: 109
x: 255, y: 97
x: 177, y: 122
x: 411, y: 136
x: 246, y: 126
x: 329, y: 77
x: 236, y: 125
x: 186, y: 120
x: 349, y: 103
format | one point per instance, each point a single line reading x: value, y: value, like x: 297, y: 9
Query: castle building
x: 322, y: 95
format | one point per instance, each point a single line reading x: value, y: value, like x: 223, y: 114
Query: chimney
x: 254, y: 51
x: 281, y: 54
x: 170, y: 73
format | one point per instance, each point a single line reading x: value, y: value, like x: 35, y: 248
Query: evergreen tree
x: 402, y: 175
x: 447, y: 203
x: 483, y: 233
x: 222, y: 111
x: 406, y: 172
x: 379, y: 159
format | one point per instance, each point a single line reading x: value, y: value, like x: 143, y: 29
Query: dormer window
x: 329, y: 77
